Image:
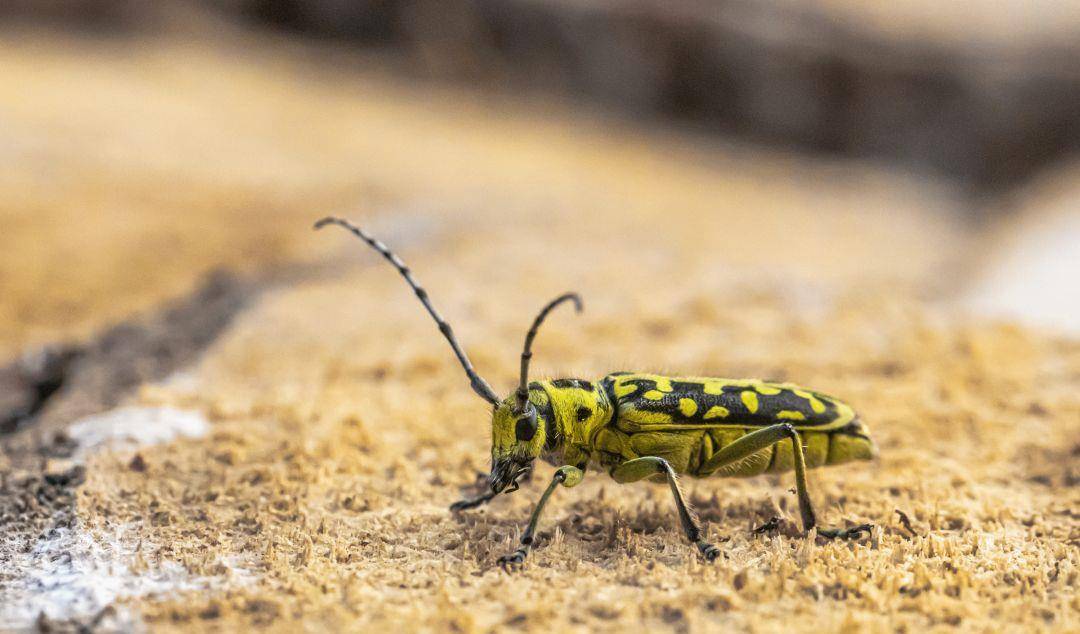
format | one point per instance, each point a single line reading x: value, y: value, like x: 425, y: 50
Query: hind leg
x: 730, y: 456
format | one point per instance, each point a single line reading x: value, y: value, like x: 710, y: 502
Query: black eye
x: 526, y: 426
x: 583, y: 414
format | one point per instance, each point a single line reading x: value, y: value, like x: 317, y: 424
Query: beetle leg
x: 524, y: 475
x: 649, y: 466
x: 567, y: 476
x: 754, y: 442
x: 482, y: 480
x: 473, y: 502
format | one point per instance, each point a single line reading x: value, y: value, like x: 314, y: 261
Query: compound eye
x: 526, y: 426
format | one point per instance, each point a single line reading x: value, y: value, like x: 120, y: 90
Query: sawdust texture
x: 342, y: 427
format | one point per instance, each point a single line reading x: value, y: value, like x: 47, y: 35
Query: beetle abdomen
x: 818, y: 451
x: 688, y: 450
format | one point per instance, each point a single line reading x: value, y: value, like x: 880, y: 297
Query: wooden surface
x: 341, y: 427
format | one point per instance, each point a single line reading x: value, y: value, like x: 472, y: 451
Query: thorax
x: 578, y: 409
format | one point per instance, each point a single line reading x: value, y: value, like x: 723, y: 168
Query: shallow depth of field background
x: 212, y: 417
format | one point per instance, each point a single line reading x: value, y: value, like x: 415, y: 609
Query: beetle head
x: 517, y: 438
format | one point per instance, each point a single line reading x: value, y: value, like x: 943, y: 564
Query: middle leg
x: 648, y: 466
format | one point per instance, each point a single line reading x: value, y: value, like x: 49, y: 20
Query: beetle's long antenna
x: 526, y: 354
x: 479, y: 385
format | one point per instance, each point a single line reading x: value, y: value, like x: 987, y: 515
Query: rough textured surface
x: 337, y: 448
x: 341, y: 426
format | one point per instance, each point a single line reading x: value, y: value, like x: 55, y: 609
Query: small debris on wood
x: 138, y: 463
x: 906, y: 521
x: 770, y: 526
x: 63, y: 473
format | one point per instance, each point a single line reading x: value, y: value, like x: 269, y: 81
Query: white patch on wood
x: 135, y: 427
x: 72, y: 572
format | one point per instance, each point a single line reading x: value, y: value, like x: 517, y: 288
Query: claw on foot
x: 471, y: 503
x: 772, y: 525
x: 512, y: 560
x: 708, y: 551
x: 845, y: 533
x: 462, y: 505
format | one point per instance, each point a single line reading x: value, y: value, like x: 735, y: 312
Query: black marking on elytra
x: 854, y: 428
x: 607, y: 390
x: 730, y: 398
x: 583, y: 413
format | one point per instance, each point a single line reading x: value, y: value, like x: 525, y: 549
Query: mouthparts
x: 506, y: 472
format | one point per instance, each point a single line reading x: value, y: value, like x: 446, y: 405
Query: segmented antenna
x: 522, y: 393
x: 478, y: 384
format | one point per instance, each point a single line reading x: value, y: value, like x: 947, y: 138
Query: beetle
x: 641, y: 426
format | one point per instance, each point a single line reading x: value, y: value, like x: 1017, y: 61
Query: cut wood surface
x: 338, y: 426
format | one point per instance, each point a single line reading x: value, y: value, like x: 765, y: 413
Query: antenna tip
x: 322, y: 222
x: 578, y: 305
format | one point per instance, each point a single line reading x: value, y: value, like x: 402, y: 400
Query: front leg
x: 482, y: 480
x: 485, y: 497
x: 648, y: 466
x: 473, y: 502
x: 568, y: 476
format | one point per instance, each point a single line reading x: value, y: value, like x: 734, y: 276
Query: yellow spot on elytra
x: 714, y: 387
x: 625, y: 389
x: 688, y: 407
x: 663, y: 384
x: 749, y: 399
x: 844, y: 413
x: 653, y: 395
x: 815, y: 404
x: 768, y: 390
x: 788, y: 414
x: 717, y: 411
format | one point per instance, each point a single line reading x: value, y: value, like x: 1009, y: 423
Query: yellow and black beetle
x: 646, y: 426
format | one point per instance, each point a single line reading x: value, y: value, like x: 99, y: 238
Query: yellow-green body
x: 685, y: 421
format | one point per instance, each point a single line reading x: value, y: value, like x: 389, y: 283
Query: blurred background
x: 144, y: 144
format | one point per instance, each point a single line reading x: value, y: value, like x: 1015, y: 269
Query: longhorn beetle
x: 639, y: 426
